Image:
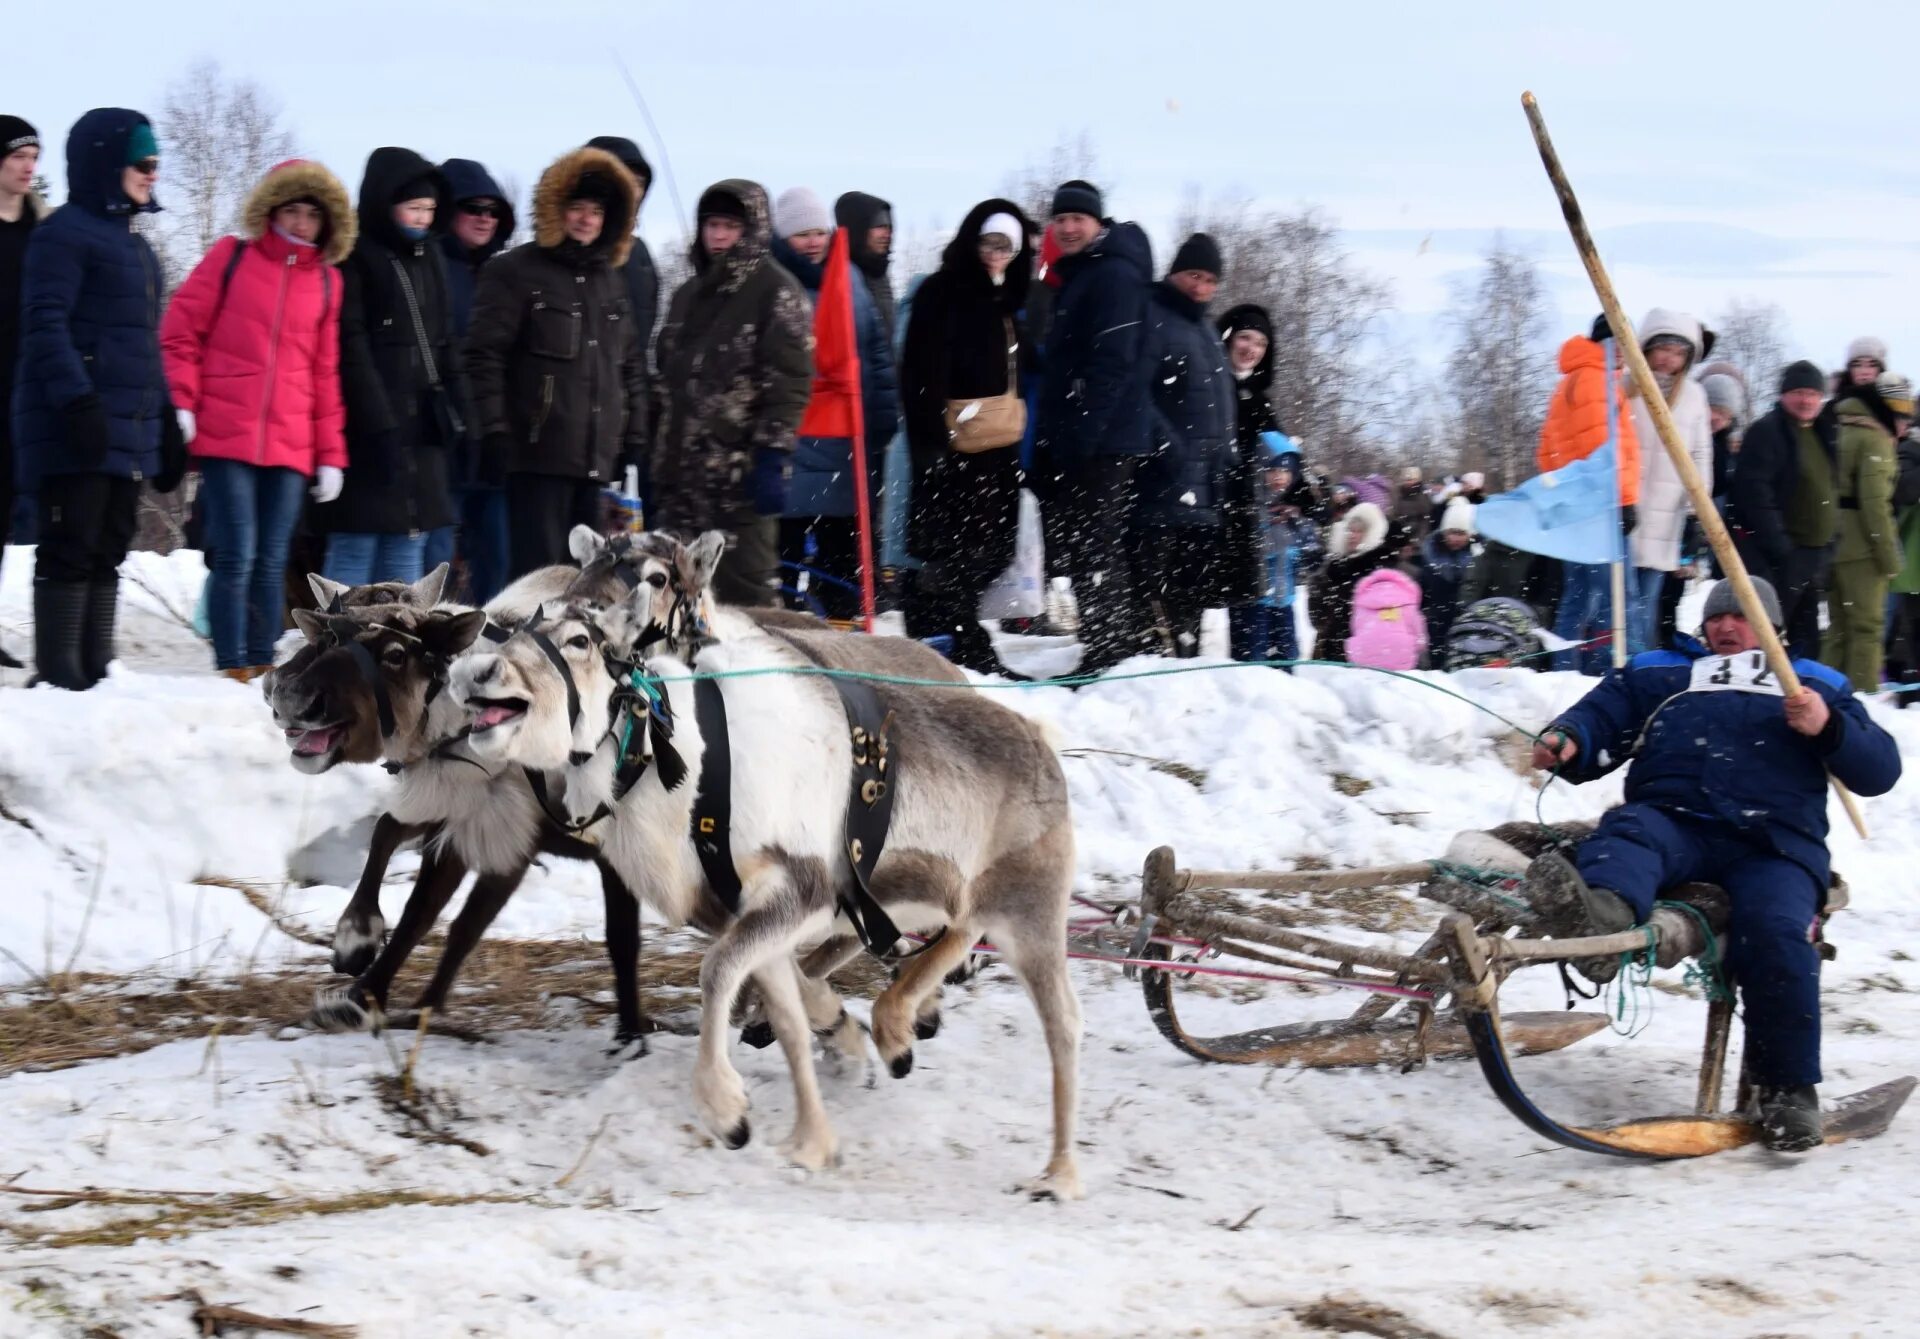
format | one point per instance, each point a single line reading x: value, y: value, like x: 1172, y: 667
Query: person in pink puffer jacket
x: 251, y: 346
x: 1389, y: 631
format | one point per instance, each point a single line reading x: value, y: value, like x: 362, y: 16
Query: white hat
x: 1007, y: 226
x: 799, y: 210
x: 1869, y: 346
x: 1458, y: 516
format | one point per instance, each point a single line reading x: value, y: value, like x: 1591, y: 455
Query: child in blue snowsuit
x: 1728, y: 785
x: 1264, y: 630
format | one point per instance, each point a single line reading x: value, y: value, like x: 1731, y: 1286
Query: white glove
x: 326, y: 483
x: 188, y: 426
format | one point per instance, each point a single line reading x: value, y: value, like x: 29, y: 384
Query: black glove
x: 772, y: 471
x: 496, y: 453
x: 1628, y: 519
x: 173, y: 451
x: 87, y: 432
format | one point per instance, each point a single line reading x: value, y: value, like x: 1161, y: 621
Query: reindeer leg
x: 361, y: 929
x: 773, y: 924
x: 896, y: 1012
x: 352, y: 1007
x: 813, y: 1144
x: 489, y: 895
x: 623, y: 949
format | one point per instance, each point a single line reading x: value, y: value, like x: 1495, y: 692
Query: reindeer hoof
x: 901, y: 1065
x: 354, y: 948
x: 926, y: 1029
x: 758, y: 1034
x: 344, y: 1008
x: 737, y: 1137
x: 629, y: 1045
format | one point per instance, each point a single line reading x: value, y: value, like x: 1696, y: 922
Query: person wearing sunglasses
x: 92, y: 421
x: 482, y: 227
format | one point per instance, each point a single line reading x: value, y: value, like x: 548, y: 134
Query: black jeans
x: 1084, y: 513
x: 542, y: 510
x: 87, y: 523
x: 834, y: 569
x: 1801, y: 588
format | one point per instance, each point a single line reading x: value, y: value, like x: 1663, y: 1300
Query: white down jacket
x: 1663, y: 508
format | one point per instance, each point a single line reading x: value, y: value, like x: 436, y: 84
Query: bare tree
x: 1032, y: 186
x: 1752, y: 335
x: 221, y: 135
x: 1499, y: 373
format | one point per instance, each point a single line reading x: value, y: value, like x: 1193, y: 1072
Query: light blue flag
x: 1567, y: 513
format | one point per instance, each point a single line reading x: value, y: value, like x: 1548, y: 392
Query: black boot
x: 9, y: 662
x: 59, y: 610
x: 1789, y: 1118
x: 96, y: 640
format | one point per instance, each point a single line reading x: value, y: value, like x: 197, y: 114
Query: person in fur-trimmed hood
x: 1673, y: 342
x: 251, y: 343
x: 559, y: 377
x: 1361, y: 544
x: 734, y: 364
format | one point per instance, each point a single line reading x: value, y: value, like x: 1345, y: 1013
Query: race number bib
x: 1743, y: 673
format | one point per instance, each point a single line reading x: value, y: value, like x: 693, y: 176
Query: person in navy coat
x: 1727, y: 785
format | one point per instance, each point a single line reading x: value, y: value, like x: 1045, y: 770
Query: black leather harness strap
x: 869, y: 812
x: 713, y: 798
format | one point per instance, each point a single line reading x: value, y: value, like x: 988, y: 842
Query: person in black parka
x: 91, y: 417
x: 641, y: 274
x: 20, y: 209
x: 401, y: 376
x: 1177, y: 535
x: 1094, y: 417
x: 964, y: 337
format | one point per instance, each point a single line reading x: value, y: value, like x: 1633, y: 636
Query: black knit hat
x: 1803, y: 376
x: 1078, y: 197
x: 594, y: 186
x: 628, y: 153
x: 422, y: 187
x: 1602, y: 329
x: 16, y: 134
x: 1198, y: 252
x: 717, y: 203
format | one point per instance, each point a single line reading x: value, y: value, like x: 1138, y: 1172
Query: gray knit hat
x: 1868, y: 346
x: 1721, y: 600
x: 1723, y: 392
x: 799, y: 210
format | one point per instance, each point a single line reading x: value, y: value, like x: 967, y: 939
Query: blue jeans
x: 436, y: 547
x: 1639, y: 852
x: 1262, y: 631
x: 484, y: 541
x: 1643, y: 608
x: 356, y: 560
x: 1586, y: 614
x: 250, y: 514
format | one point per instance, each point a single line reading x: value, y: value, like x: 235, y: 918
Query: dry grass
x: 71, y: 1018
x: 180, y: 1216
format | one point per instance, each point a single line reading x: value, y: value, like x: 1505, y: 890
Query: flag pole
x: 1703, y: 508
x: 1619, y: 572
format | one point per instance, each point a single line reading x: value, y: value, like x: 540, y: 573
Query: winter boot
x: 96, y: 643
x: 1571, y: 908
x: 1789, y: 1118
x: 9, y: 662
x: 59, y: 610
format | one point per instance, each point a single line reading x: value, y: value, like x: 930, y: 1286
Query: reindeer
x: 981, y: 838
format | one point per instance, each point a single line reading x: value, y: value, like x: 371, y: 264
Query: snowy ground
x: 1414, y: 1192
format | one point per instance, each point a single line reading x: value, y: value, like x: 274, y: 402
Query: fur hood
x: 754, y: 243
x: 1339, y: 542
x: 556, y: 188
x: 295, y: 179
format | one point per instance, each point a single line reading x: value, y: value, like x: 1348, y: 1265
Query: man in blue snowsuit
x: 1728, y: 786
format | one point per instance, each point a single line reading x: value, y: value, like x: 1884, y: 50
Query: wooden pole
x: 1618, y: 575
x: 1703, y: 508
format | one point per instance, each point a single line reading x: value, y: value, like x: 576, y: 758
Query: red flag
x: 834, y: 408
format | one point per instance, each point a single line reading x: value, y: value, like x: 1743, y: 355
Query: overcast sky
x: 1758, y: 150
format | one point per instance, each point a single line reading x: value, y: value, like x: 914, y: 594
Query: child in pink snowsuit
x: 1389, y: 631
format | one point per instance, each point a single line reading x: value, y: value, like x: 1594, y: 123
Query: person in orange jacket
x: 1577, y: 425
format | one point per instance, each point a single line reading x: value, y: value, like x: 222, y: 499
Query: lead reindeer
x: 980, y: 840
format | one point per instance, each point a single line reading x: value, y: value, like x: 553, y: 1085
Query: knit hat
x: 1602, y: 329
x: 799, y: 210
x: 1007, y: 226
x: 16, y: 134
x: 594, y: 186
x: 1473, y: 481
x: 1723, y: 392
x: 142, y: 144
x: 1897, y: 392
x: 422, y: 187
x: 1803, y: 376
x: 1198, y: 252
x: 1721, y: 600
x: 1867, y: 346
x: 1458, y: 516
x: 1078, y: 197
x: 719, y: 204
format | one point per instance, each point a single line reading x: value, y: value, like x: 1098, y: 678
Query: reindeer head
x: 422, y: 595
x: 544, y: 695
x: 661, y: 583
x: 360, y: 688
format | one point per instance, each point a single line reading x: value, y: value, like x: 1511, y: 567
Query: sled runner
x: 1440, y: 1002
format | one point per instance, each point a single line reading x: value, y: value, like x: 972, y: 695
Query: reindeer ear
x: 447, y: 635
x: 426, y: 592
x: 701, y: 561
x: 325, y: 591
x: 585, y: 544
x: 311, y: 625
